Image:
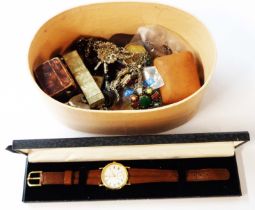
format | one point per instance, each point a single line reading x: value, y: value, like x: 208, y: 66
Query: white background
x: 229, y: 104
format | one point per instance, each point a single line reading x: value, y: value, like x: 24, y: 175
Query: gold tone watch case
x: 104, y: 169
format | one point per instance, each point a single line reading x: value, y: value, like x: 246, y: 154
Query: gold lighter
x: 84, y: 79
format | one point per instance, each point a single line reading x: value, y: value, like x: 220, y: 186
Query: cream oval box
x: 123, y: 18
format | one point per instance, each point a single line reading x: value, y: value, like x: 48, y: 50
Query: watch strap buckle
x: 34, y: 179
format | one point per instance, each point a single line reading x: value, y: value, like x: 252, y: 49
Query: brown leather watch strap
x: 93, y: 177
x: 140, y: 176
x: 209, y: 174
x: 135, y: 176
x: 70, y: 178
x: 60, y: 178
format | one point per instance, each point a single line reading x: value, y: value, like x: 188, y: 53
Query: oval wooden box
x: 106, y: 19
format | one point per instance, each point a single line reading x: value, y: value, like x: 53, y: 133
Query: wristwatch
x: 113, y: 176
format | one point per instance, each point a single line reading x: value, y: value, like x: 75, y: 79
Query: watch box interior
x: 209, y: 151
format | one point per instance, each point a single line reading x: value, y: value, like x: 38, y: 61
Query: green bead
x: 145, y: 101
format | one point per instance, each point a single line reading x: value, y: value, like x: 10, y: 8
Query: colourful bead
x: 155, y: 96
x: 152, y: 77
x: 139, y: 91
x: 128, y: 91
x: 148, y: 91
x: 135, y: 48
x: 156, y: 104
x: 145, y: 101
x: 135, y: 104
x: 134, y: 98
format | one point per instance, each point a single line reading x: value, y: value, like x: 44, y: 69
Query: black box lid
x: 132, y: 147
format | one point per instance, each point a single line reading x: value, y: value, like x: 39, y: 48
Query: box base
x: 182, y: 188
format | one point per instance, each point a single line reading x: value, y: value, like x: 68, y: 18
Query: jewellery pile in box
x: 147, y: 70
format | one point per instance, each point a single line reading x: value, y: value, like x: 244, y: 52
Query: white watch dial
x: 114, y: 176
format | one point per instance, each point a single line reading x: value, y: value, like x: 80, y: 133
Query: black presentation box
x: 180, y: 152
